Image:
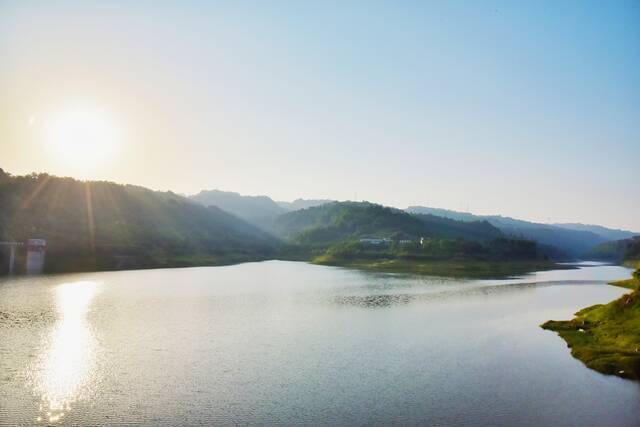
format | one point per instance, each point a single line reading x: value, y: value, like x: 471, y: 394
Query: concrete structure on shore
x: 35, y: 255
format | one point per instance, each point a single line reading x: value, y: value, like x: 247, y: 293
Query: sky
x: 529, y: 109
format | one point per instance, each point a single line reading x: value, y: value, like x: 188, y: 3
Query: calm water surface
x: 291, y: 343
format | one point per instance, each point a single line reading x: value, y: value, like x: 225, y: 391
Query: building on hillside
x: 375, y: 241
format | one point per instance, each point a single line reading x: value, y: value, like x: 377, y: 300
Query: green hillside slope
x: 102, y: 225
x: 606, y: 337
x: 569, y: 241
x: 366, y: 235
x: 342, y: 221
x: 625, y: 250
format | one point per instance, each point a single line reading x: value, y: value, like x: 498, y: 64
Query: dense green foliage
x: 102, y: 225
x: 607, y: 337
x: 439, y: 249
x: 339, y: 233
x: 564, y: 240
x: 324, y: 225
x: 632, y: 252
x: 617, y: 251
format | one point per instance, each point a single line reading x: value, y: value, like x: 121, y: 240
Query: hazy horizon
x: 523, y: 110
x: 461, y: 210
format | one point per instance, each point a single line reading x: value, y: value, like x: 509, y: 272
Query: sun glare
x: 82, y: 138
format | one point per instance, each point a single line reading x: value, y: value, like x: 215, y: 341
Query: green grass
x: 449, y: 268
x: 632, y: 263
x: 606, y: 337
x: 627, y: 283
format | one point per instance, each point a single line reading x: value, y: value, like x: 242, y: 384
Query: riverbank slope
x: 606, y: 337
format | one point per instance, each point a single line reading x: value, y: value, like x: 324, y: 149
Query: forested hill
x: 572, y: 239
x: 340, y: 221
x: 617, y: 251
x: 102, y: 225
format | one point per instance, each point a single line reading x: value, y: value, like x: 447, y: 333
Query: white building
x: 375, y: 241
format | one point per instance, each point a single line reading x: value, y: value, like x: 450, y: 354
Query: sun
x: 82, y: 138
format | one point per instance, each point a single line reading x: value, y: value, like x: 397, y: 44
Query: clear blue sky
x: 527, y: 109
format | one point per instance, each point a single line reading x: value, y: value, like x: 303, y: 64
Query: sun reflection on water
x: 64, y: 372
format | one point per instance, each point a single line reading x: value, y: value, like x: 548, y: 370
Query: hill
x: 341, y: 221
x: 342, y: 233
x: 303, y: 203
x: 617, y: 251
x: 260, y: 211
x: 257, y: 210
x: 370, y: 236
x: 604, y: 232
x: 573, y: 242
x: 102, y: 225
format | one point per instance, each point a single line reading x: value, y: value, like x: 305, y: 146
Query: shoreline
x: 473, y: 269
x: 606, y: 337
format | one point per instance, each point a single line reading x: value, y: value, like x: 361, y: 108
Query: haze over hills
x: 573, y: 239
x: 367, y: 235
x: 617, y: 250
x: 303, y: 203
x: 339, y: 221
x: 98, y: 225
x: 258, y: 210
x: 604, y: 232
x: 102, y: 225
x: 561, y: 241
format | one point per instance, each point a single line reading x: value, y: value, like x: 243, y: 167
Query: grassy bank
x: 606, y: 337
x: 475, y: 269
x: 632, y: 263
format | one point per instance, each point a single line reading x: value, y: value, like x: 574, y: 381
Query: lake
x: 292, y: 343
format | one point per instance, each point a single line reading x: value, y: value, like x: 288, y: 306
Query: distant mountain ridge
x: 97, y: 225
x: 258, y: 210
x: 298, y: 204
x: 340, y: 221
x: 573, y: 239
x: 564, y: 241
x: 604, y: 232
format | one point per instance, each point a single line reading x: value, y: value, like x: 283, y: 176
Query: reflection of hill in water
x: 395, y: 299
